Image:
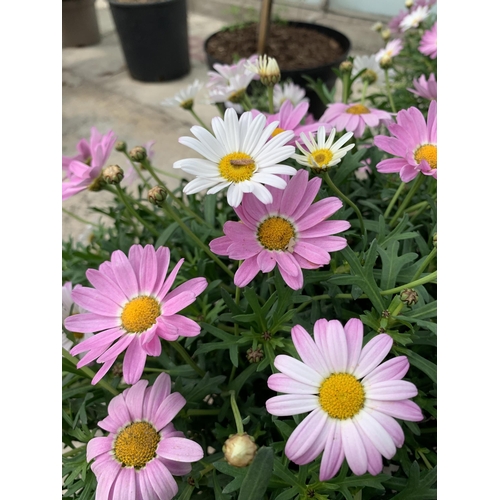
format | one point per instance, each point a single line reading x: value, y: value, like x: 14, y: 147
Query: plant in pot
x: 154, y: 37
x: 305, y: 52
x: 79, y: 23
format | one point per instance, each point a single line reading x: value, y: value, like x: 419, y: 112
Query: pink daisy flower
x: 132, y: 303
x: 353, y: 400
x: 290, y: 117
x: 291, y: 232
x: 425, y: 88
x: 392, y: 49
x: 354, y: 117
x: 142, y: 451
x: 84, y: 169
x: 69, y: 308
x: 428, y: 43
x: 414, y: 143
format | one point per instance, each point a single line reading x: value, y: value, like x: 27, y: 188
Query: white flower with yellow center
x: 267, y: 68
x: 185, y: 97
x: 288, y: 92
x: 324, y: 153
x: 372, y: 70
x: 240, y: 156
x: 414, y: 19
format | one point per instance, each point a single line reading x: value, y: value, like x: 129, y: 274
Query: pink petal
x: 280, y: 382
x: 290, y: 404
x: 404, y: 409
x: 294, y: 192
x: 107, y: 473
x: 113, y: 352
x: 134, y: 361
x: 157, y: 394
x: 294, y: 282
x: 160, y: 479
x: 220, y: 246
x: 392, y: 369
x: 390, y: 425
x: 339, y: 354
x: 376, y: 434
x: 307, y: 441
x: 390, y: 390
x: 326, y: 228
x: 91, y: 300
x: 106, y: 286
x: 310, y: 193
x: 391, y: 165
x: 372, y: 354
x: 287, y: 263
x: 180, y: 449
x: 312, y: 253
x: 178, y: 302
x: 246, y: 272
x: 266, y: 261
x: 375, y: 464
x: 308, y: 351
x: 134, y: 399
x: 162, y: 263
x: 176, y: 468
x: 408, y: 173
x: 102, y: 371
x: 354, y: 448
x: 145, y: 486
x: 124, y: 274
x: 118, y: 410
x: 148, y: 270
x: 297, y: 370
x: 98, y: 341
x: 168, y: 409
x: 318, y: 212
x: 99, y: 445
x: 354, y: 336
x: 153, y: 347
x: 194, y: 285
x: 90, y: 323
x: 390, y: 145
x: 333, y: 456
x: 169, y: 281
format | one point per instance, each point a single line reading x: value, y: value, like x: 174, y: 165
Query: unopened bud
x: 369, y: 76
x: 138, y: 153
x: 409, y: 4
x: 345, y: 67
x: 435, y: 240
x: 409, y: 296
x: 385, y: 62
x: 112, y: 174
x: 255, y: 355
x: 239, y: 449
x: 386, y: 34
x: 121, y: 146
x: 378, y: 27
x: 157, y: 195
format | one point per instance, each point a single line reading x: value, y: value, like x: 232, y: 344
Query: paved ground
x: 98, y: 91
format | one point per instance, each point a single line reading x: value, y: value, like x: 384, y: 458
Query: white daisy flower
x: 239, y: 156
x: 224, y: 72
x: 323, y: 154
x: 413, y: 19
x: 288, y: 91
x: 185, y: 97
x: 233, y: 91
x: 372, y: 67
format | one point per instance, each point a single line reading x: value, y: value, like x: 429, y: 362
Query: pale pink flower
x: 425, y: 88
x: 414, y: 18
x: 392, y: 49
x: 69, y: 308
x: 394, y: 23
x: 290, y: 117
x: 142, y: 452
x: 353, y: 399
x: 132, y: 303
x: 291, y: 232
x: 354, y: 117
x: 288, y: 91
x: 83, y: 169
x: 428, y: 43
x: 414, y: 143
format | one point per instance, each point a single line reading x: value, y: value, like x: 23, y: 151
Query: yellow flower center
x: 277, y: 131
x: 136, y: 445
x: 237, y: 167
x: 275, y: 233
x: 140, y: 314
x: 320, y: 157
x: 429, y: 153
x: 342, y: 396
x: 238, y: 96
x: 357, y: 109
x: 188, y: 104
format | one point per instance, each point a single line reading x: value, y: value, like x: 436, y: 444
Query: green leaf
x: 259, y: 473
x: 428, y: 367
x: 392, y: 263
x: 237, y: 473
x: 419, y: 488
x: 166, y: 234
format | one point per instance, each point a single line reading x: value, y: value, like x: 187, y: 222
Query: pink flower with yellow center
x: 428, y: 43
x: 131, y: 307
x: 352, y: 398
x: 142, y: 452
x: 414, y: 143
x: 291, y: 232
x: 83, y: 170
x: 425, y: 88
x: 354, y: 117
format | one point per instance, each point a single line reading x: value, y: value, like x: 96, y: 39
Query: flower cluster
x: 291, y: 273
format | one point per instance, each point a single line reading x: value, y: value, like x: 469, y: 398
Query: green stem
x: 412, y: 284
x: 417, y: 206
x: 198, y: 119
x: 197, y: 240
x: 246, y: 103
x: 365, y: 86
x: 388, y: 88
x: 73, y: 451
x: 345, y: 199
x: 345, y: 87
x: 424, y: 265
x: 406, y: 201
x: 236, y: 413
x: 89, y: 373
x: 394, y: 199
x: 270, y: 99
x: 79, y: 219
x: 187, y: 358
x: 168, y: 174
x: 132, y: 211
x: 137, y: 168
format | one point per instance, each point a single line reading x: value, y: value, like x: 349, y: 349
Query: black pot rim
x: 337, y: 35
x: 127, y: 5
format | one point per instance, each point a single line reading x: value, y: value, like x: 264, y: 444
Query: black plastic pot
x: 154, y: 38
x: 324, y: 72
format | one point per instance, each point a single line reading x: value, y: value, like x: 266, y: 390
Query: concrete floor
x: 98, y: 91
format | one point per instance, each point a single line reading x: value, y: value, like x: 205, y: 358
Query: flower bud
x: 345, y: 67
x: 121, y: 146
x: 157, y: 195
x: 378, y: 26
x: 409, y: 296
x: 369, y: 76
x: 409, y: 4
x: 138, y: 153
x: 239, y: 449
x: 435, y: 240
x: 255, y: 355
x: 386, y: 34
x: 112, y: 174
x: 385, y: 62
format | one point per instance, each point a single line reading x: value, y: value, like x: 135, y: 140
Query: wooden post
x: 265, y: 21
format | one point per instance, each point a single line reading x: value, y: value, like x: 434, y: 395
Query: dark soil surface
x: 292, y: 46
